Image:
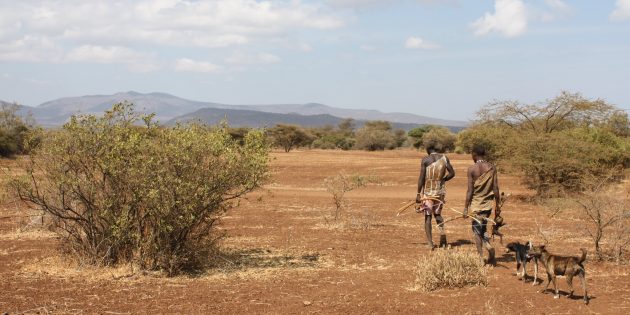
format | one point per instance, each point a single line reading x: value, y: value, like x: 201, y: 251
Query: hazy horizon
x: 436, y: 58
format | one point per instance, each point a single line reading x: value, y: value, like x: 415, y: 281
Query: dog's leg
x: 535, y: 270
x: 582, y: 276
x: 525, y: 270
x: 570, y: 283
x: 548, y: 282
x: 555, y: 287
x: 518, y: 265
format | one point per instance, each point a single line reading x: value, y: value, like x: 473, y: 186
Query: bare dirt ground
x: 284, y: 254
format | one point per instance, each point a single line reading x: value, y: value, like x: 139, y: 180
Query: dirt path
x: 294, y: 259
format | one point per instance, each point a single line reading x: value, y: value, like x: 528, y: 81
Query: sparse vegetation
x: 121, y: 189
x: 554, y: 143
x: 376, y: 136
x: 342, y: 183
x: 290, y: 136
x: 450, y: 268
x: 608, y: 220
x: 441, y: 136
x: 14, y: 130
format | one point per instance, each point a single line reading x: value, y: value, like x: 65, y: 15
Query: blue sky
x: 440, y: 58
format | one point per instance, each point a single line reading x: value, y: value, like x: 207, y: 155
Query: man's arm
x: 469, y: 192
x: 421, y: 180
x: 497, y: 195
x: 451, y: 171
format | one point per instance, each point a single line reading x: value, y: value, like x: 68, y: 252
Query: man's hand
x: 465, y: 213
x: 418, y: 198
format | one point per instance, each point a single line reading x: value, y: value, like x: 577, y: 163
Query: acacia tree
x: 554, y: 143
x: 120, y: 191
x: 289, y: 136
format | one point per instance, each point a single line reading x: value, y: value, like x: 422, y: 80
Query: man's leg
x: 427, y: 229
x: 486, y: 241
x: 439, y: 220
x: 478, y: 237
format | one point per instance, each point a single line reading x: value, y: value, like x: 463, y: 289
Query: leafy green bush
x: 122, y: 189
x: 556, y: 143
x: 416, y: 135
x: 14, y: 130
x: 443, y: 138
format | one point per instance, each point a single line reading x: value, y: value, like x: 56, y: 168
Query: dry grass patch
x: 450, y: 268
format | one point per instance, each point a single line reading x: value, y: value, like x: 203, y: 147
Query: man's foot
x: 491, y: 259
x: 431, y: 246
x: 443, y: 243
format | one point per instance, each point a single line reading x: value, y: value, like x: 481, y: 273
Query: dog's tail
x: 583, y: 258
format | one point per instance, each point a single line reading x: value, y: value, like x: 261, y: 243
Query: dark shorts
x: 480, y: 229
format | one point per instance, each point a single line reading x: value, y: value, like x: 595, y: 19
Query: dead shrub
x: 449, y: 268
x: 608, y: 224
x: 342, y: 183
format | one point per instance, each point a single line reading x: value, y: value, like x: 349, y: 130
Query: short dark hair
x: 432, y: 146
x: 479, y: 150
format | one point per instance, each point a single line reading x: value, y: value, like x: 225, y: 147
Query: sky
x: 438, y: 58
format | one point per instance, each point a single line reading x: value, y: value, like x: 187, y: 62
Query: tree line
x: 375, y: 135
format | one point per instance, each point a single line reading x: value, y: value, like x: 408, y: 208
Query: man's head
x: 433, y: 146
x: 478, y: 152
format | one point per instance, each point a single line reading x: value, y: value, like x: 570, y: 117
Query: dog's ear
x: 530, y: 245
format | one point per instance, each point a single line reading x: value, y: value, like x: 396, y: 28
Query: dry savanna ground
x: 284, y: 254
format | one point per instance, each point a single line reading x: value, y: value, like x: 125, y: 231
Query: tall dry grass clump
x: 449, y: 268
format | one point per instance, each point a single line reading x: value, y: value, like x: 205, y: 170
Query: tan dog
x: 568, y: 266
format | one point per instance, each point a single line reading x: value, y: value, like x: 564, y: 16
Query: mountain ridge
x: 168, y: 107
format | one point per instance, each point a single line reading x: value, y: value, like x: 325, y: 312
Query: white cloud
x: 622, y: 11
x: 419, y: 43
x: 134, y: 60
x: 30, y: 49
x: 29, y: 30
x: 509, y: 19
x: 189, y: 65
x: 554, y: 9
x: 358, y: 4
x: 242, y: 59
x: 558, y: 5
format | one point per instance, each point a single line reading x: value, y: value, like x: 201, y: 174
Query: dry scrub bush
x: 449, y: 268
x: 608, y: 222
x: 122, y: 189
x: 342, y: 183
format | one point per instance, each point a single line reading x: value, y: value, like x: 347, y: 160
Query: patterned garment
x: 434, y: 178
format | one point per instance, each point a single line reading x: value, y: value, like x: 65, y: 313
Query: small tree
x: 123, y: 191
x: 416, y: 135
x: 289, y: 136
x: 555, y: 142
x: 13, y: 130
x: 442, y: 136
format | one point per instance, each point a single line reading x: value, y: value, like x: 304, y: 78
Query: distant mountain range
x: 170, y: 109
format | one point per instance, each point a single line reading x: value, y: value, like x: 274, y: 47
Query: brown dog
x: 567, y: 266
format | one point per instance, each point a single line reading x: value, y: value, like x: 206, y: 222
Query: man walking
x: 483, y: 190
x: 431, y: 189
